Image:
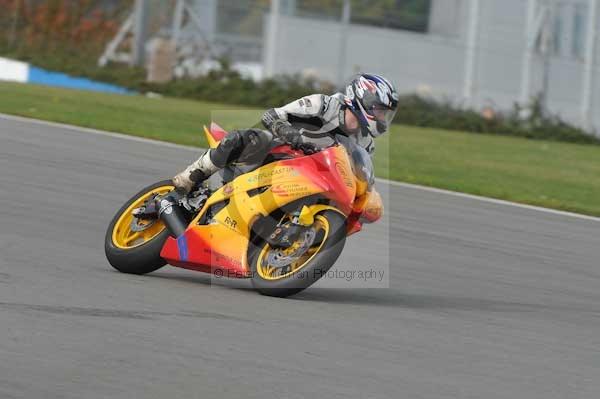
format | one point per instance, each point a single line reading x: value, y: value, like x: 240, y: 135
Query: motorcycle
x: 282, y: 223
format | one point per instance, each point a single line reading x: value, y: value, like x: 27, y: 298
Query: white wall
x: 416, y: 61
x: 410, y: 59
x: 13, y: 71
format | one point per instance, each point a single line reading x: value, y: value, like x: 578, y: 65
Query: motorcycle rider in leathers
x: 364, y: 112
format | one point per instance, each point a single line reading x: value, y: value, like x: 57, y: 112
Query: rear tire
x: 141, y: 259
x: 315, y: 268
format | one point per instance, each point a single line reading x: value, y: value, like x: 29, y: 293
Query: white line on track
x: 390, y: 182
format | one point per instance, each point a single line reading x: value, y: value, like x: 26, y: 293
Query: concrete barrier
x: 22, y: 72
x: 13, y: 71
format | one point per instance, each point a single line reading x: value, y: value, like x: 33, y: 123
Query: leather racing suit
x: 309, y: 123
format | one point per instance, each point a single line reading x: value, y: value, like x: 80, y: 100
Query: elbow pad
x: 270, y: 119
x: 286, y: 132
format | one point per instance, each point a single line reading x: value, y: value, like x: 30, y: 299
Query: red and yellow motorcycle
x: 283, y: 224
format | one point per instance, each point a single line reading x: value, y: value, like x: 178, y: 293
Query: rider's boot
x: 198, y: 171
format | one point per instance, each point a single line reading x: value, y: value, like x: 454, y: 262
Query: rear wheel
x: 133, y: 245
x: 284, y: 272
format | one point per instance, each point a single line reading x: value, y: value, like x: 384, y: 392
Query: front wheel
x: 132, y: 245
x: 284, y: 272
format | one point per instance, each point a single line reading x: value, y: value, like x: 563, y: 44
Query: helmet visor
x: 383, y: 114
x: 378, y: 110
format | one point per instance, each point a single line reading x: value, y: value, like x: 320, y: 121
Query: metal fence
x: 233, y: 29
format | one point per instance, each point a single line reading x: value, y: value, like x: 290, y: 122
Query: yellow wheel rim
x: 269, y: 272
x: 125, y: 238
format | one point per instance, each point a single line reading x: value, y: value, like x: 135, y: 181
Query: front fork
x: 285, y: 234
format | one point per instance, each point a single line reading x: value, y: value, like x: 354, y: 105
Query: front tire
x: 312, y: 269
x: 134, y: 252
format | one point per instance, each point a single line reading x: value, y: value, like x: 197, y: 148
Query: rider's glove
x: 305, y: 147
x: 293, y: 137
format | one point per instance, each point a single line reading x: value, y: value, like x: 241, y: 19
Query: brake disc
x: 280, y: 258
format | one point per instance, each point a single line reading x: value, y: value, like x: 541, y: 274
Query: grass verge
x: 551, y: 174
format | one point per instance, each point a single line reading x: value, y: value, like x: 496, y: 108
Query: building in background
x: 481, y: 53
x: 435, y: 62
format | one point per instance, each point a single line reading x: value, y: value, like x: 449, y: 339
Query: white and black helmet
x: 374, y: 101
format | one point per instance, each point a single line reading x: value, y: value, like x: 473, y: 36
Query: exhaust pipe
x: 172, y: 215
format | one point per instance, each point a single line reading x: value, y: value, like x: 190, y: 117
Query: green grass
x: 556, y: 175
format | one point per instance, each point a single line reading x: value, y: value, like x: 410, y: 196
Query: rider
x: 365, y: 111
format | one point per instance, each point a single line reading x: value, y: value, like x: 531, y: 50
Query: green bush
x: 227, y: 86
x: 530, y: 122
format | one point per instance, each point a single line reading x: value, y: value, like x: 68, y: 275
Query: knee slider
x: 231, y: 140
x: 227, y: 150
x: 256, y: 139
x: 256, y: 145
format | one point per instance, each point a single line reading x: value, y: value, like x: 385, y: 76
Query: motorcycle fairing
x: 221, y: 247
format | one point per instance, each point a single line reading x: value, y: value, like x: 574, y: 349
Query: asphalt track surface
x: 484, y: 300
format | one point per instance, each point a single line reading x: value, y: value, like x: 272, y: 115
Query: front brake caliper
x: 281, y: 258
x: 285, y: 235
x: 148, y: 211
